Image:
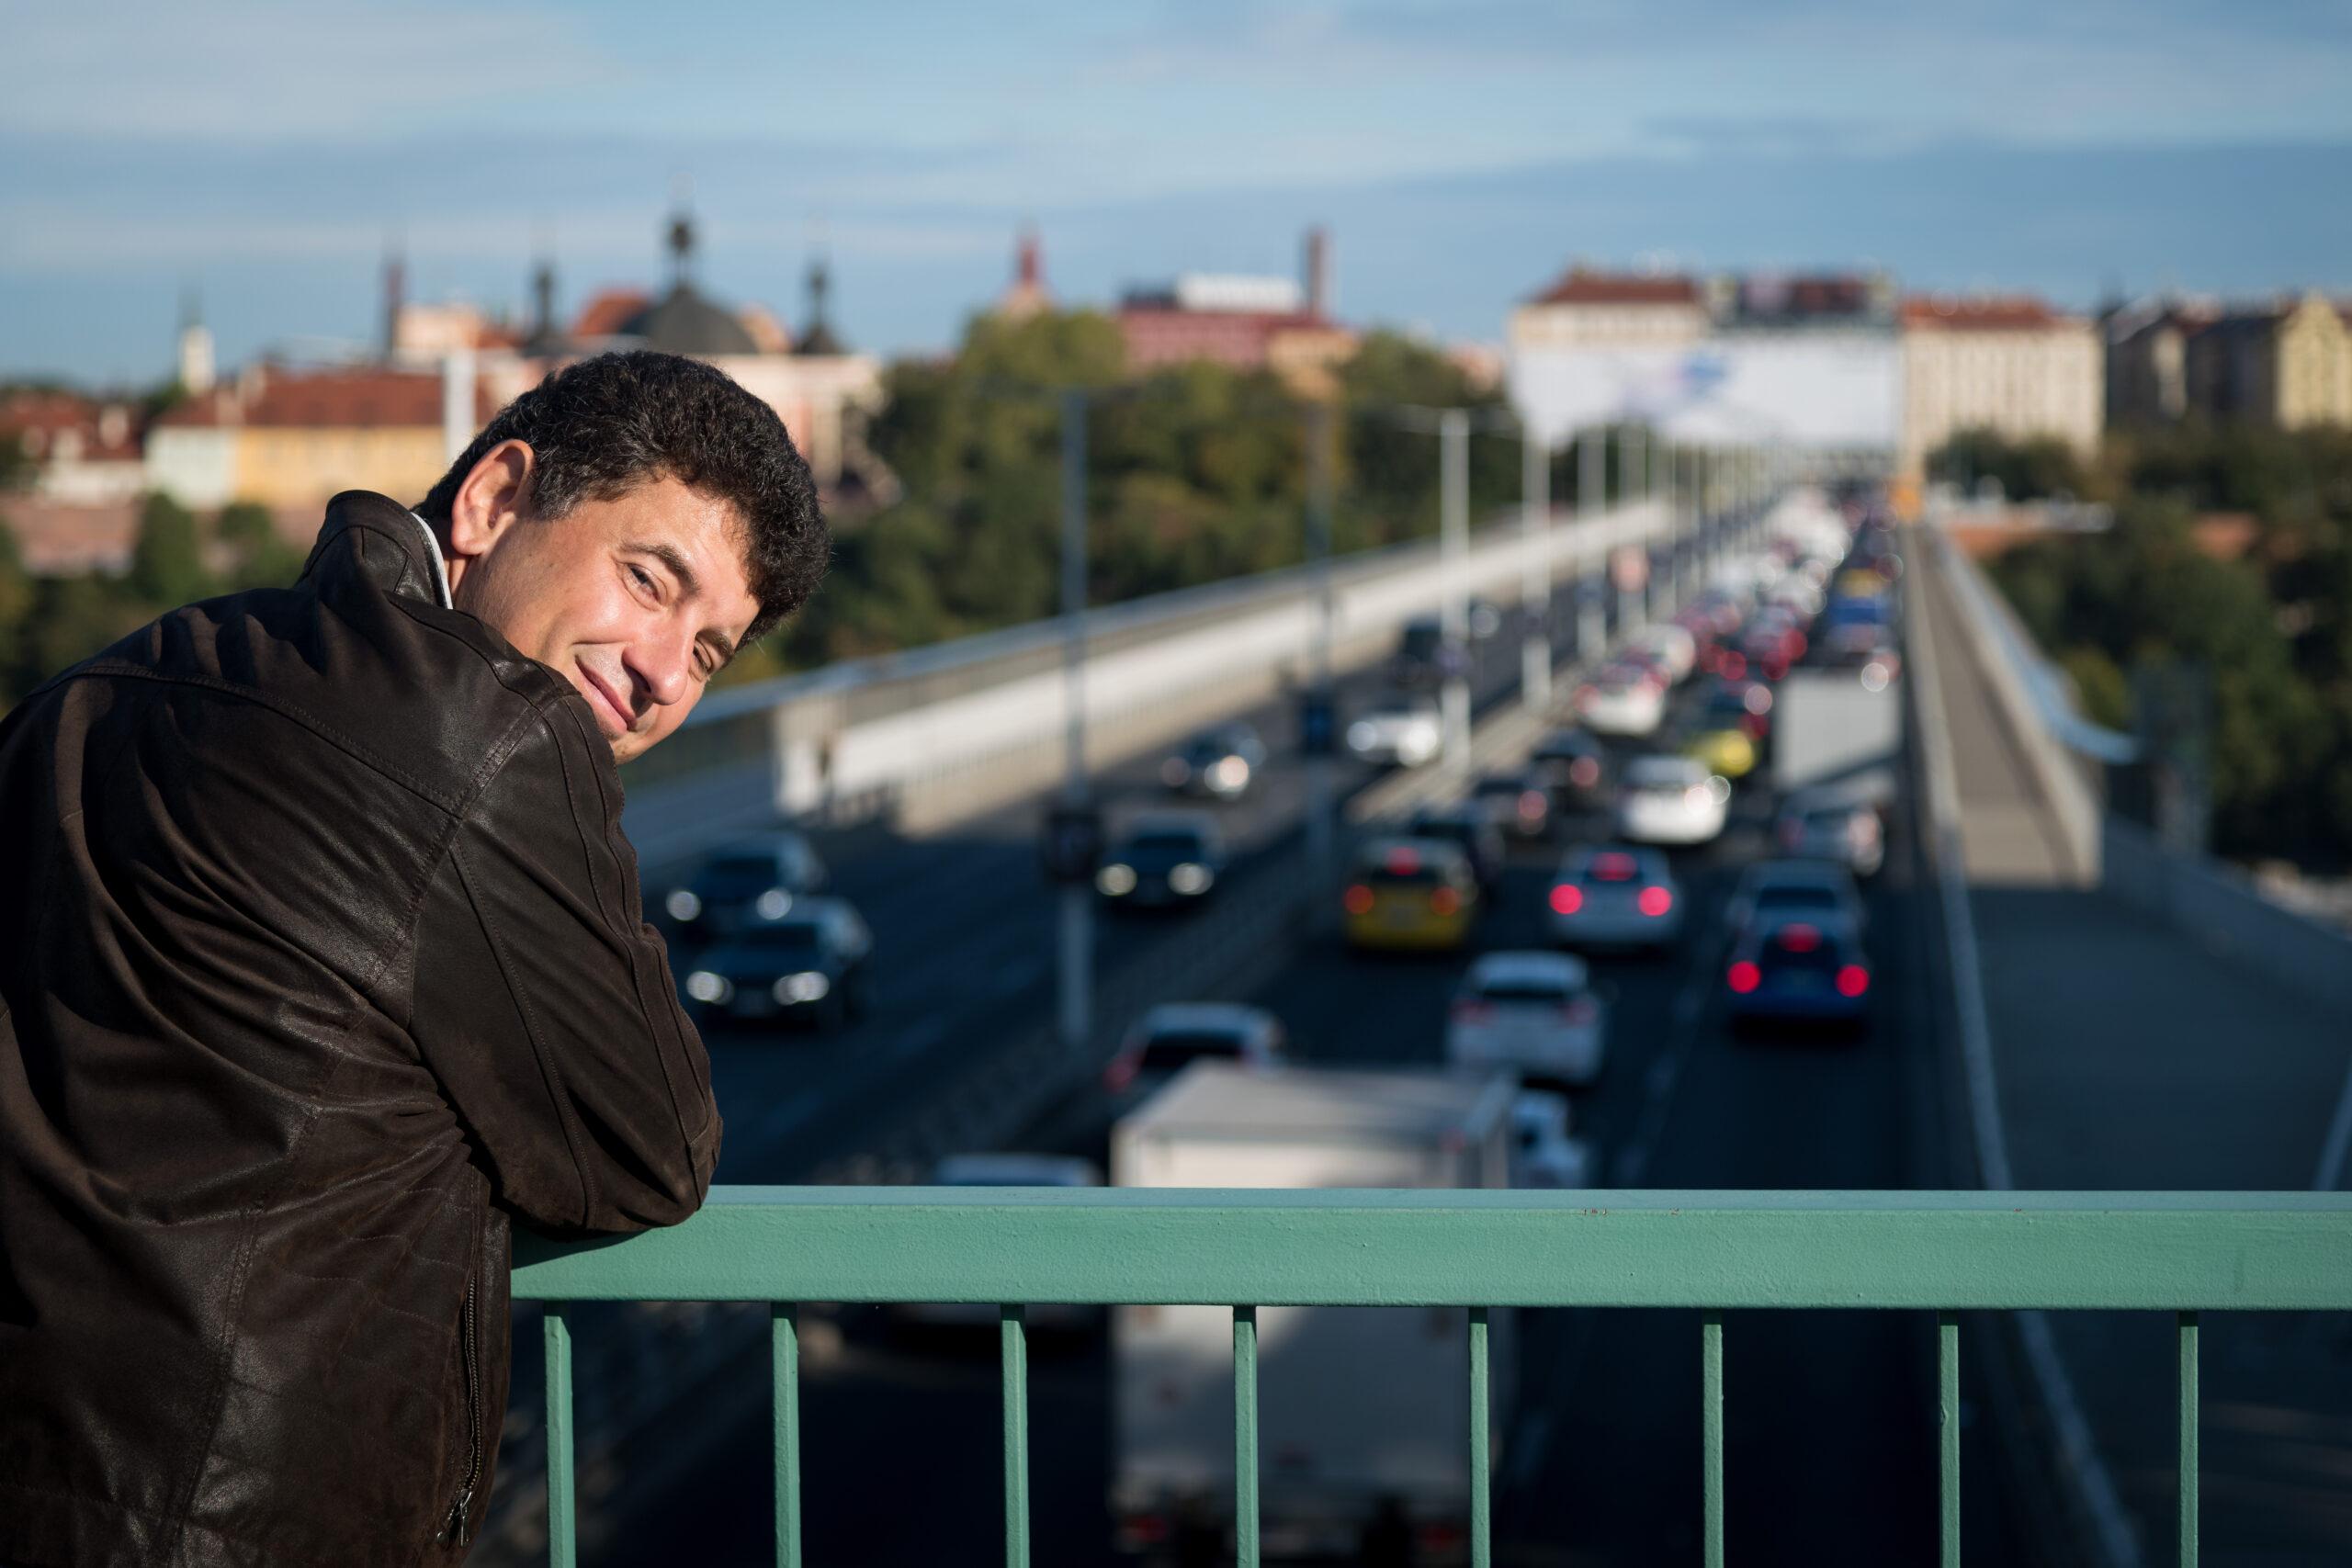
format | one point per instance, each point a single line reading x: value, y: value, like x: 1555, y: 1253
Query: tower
x: 1317, y: 267
x: 194, y: 368
x: 395, y: 293
x: 1027, y: 294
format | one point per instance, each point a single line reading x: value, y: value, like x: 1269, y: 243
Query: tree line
x: 2229, y: 559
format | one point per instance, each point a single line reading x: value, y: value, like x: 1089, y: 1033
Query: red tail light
x: 1472, y: 1010
x: 1745, y: 976
x: 1853, y: 980
x: 1799, y: 939
x: 1119, y: 1074
x: 1357, y: 900
x: 1584, y: 772
x: 1403, y: 863
x: 1615, y: 868
x: 1436, y: 1540
x: 1580, y: 1011
x: 1567, y: 898
x: 1444, y: 902
x: 1655, y: 902
x: 1530, y: 803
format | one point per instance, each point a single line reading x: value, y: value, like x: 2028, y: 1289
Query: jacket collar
x: 374, y: 539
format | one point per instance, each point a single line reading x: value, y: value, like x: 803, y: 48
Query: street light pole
x: 1663, y: 593
x: 1320, y: 849
x: 1535, y: 598
x: 1077, y: 968
x: 1591, y: 497
x: 1628, y: 463
x: 1453, y: 556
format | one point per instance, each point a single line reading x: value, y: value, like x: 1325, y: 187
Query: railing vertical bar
x: 784, y: 1370
x: 2188, y: 1478
x: 1948, y: 1419
x: 1012, y: 1341
x: 1710, y: 1401
x: 1244, y: 1437
x: 563, y: 1503
x: 1481, y: 1426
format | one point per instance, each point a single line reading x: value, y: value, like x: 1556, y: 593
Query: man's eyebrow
x: 671, y: 557
x: 689, y: 585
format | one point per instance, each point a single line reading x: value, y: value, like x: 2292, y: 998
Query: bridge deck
x: 2129, y: 1055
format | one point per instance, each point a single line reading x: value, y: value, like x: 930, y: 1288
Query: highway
x: 1830, y: 1426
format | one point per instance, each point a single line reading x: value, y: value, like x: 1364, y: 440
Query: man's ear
x: 494, y: 496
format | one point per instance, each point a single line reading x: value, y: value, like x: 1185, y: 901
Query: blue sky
x: 1463, y: 151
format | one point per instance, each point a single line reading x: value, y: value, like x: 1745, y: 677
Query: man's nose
x: 663, y: 666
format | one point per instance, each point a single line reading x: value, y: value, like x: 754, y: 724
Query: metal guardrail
x: 1478, y: 1251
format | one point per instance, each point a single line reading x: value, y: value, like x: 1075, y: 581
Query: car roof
x: 1579, y: 859
x: 1799, y: 873
x: 1172, y: 1017
x: 1436, y: 853
x: 1658, y: 769
x: 1564, y: 968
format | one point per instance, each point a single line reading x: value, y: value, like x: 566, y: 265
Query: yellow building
x: 292, y: 438
x: 2289, y: 365
x: 2008, y: 365
x: 1599, y: 309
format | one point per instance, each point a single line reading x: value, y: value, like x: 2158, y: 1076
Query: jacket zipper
x: 458, y: 1531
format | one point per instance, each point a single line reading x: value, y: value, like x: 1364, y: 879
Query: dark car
x: 1220, y: 763
x: 1424, y: 654
x: 1519, y: 802
x: 1799, y: 971
x: 1576, y: 764
x: 808, y: 967
x: 1162, y: 861
x: 748, y: 882
x: 1468, y: 827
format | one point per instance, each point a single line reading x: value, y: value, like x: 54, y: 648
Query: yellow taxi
x: 1860, y: 583
x: 1727, y: 750
x: 1417, y: 893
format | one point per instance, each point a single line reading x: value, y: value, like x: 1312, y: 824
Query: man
x: 322, y: 955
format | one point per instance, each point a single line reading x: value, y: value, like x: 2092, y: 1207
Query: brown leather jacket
x: 320, y: 954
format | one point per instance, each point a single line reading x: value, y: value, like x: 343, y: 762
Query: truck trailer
x: 1363, y: 1411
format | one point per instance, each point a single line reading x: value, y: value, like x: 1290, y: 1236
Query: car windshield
x: 1796, y: 898
x: 1420, y: 640
x: 737, y: 876
x: 1180, y: 1048
x: 1523, y: 988
x: 1663, y: 773
x: 1148, y: 852
x: 1487, y: 787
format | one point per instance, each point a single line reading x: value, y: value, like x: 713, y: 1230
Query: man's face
x: 636, y: 601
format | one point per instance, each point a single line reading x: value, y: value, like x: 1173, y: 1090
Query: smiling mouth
x: 611, y: 714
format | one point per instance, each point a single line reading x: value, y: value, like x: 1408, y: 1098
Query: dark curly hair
x: 599, y: 428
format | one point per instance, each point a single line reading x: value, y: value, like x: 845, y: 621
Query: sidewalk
x: 2127, y: 1054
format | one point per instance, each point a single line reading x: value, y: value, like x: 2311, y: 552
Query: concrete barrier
x: 962, y: 728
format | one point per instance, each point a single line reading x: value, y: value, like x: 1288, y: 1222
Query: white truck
x: 1361, y: 1410
x: 1833, y: 738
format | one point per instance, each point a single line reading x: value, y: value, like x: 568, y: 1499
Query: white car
x: 1674, y: 645
x: 1006, y: 1170
x: 1406, y: 731
x: 1543, y: 1153
x: 1533, y: 1013
x: 1672, y: 800
x: 1621, y: 706
x: 1615, y: 895
x: 1174, y: 1035
x: 1813, y: 890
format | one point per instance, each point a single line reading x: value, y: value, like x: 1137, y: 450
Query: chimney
x: 395, y: 288
x: 1318, y: 272
x: 1029, y: 271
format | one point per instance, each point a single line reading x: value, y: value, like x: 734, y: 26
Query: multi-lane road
x: 1830, y: 1429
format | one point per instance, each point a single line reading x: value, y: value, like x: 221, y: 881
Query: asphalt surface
x: 1830, y: 1424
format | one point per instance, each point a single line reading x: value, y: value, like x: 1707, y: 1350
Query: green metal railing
x: 1941, y: 1252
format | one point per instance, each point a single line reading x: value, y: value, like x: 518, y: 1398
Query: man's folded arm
x: 544, y: 1006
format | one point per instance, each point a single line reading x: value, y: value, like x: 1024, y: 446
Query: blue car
x: 1797, y: 970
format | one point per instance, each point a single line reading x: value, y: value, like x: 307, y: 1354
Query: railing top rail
x: 2169, y: 1251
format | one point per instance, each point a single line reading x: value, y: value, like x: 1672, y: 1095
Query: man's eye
x: 644, y: 578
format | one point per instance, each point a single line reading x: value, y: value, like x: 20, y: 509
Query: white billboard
x: 1825, y: 390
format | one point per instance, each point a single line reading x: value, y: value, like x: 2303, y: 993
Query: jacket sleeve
x: 544, y: 1006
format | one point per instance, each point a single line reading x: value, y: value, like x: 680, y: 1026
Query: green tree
x: 257, y: 556
x: 2033, y: 470
x: 16, y: 465
x: 167, y: 567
